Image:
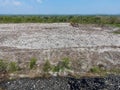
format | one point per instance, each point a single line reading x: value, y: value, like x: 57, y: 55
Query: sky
x: 59, y: 7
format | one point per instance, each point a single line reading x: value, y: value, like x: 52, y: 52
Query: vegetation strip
x: 101, y: 20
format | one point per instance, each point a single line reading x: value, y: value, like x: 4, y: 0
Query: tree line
x: 58, y: 19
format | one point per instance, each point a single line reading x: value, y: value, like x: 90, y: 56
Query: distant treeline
x: 58, y: 19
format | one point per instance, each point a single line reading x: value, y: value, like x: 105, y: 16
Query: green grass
x: 104, y: 72
x: 95, y: 69
x: 66, y: 63
x: 62, y: 65
x: 13, y: 67
x: 56, y: 68
x: 116, y: 25
x: 32, y: 63
x: 47, y: 66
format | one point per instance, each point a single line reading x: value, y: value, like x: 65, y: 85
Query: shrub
x: 13, y: 67
x: 47, y: 66
x: 32, y: 63
x: 3, y: 66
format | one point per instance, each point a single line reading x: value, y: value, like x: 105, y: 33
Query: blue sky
x: 59, y: 6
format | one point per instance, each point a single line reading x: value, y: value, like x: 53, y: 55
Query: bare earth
x: 87, y: 44
x: 47, y: 36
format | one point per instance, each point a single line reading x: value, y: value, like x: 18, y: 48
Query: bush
x: 13, y: 67
x: 47, y: 66
x: 3, y: 66
x: 32, y: 63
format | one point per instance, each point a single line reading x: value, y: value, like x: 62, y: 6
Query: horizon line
x: 59, y: 14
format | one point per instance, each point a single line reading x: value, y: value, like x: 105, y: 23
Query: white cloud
x: 10, y: 2
x: 15, y: 2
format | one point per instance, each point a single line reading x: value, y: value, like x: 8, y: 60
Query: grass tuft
x: 32, y: 63
x: 62, y: 65
x: 47, y: 66
x: 13, y: 67
x: 95, y: 69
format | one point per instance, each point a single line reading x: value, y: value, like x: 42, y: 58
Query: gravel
x: 37, y: 84
x: 110, y: 82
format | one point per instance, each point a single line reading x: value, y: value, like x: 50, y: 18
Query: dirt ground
x: 47, y: 36
x: 87, y: 44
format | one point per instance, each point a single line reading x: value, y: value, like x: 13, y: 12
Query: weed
x: 62, y: 65
x: 47, y: 66
x: 13, y: 67
x: 95, y: 69
x: 32, y: 63
x: 66, y: 63
x: 57, y: 68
